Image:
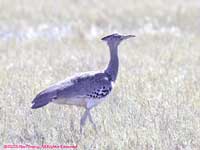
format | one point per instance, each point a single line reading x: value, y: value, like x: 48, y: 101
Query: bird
x: 86, y: 89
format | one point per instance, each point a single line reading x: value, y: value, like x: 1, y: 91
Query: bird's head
x: 115, y: 39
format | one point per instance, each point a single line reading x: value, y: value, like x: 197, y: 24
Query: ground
x: 155, y: 104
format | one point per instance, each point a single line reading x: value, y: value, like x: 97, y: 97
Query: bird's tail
x: 40, y: 101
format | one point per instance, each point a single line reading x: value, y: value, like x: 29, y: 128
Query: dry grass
x: 156, y: 100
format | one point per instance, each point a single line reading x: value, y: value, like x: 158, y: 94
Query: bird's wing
x: 68, y: 87
x: 85, y: 85
x: 94, y: 85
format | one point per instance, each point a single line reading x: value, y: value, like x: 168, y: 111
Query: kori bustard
x: 86, y: 89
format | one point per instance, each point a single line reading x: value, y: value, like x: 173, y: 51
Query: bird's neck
x: 113, y: 65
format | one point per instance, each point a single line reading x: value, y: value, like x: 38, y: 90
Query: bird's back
x: 76, y: 90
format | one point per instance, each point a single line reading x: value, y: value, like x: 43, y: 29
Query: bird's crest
x: 115, y: 35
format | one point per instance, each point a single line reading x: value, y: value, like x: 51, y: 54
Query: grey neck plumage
x: 113, y: 65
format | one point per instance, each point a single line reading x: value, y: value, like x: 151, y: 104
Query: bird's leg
x: 91, y: 120
x: 90, y: 105
x: 83, y: 119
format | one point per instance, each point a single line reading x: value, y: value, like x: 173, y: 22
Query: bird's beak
x: 127, y: 37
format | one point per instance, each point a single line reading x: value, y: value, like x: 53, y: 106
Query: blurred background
x: 155, y: 103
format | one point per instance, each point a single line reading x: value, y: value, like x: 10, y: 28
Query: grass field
x: 155, y: 104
